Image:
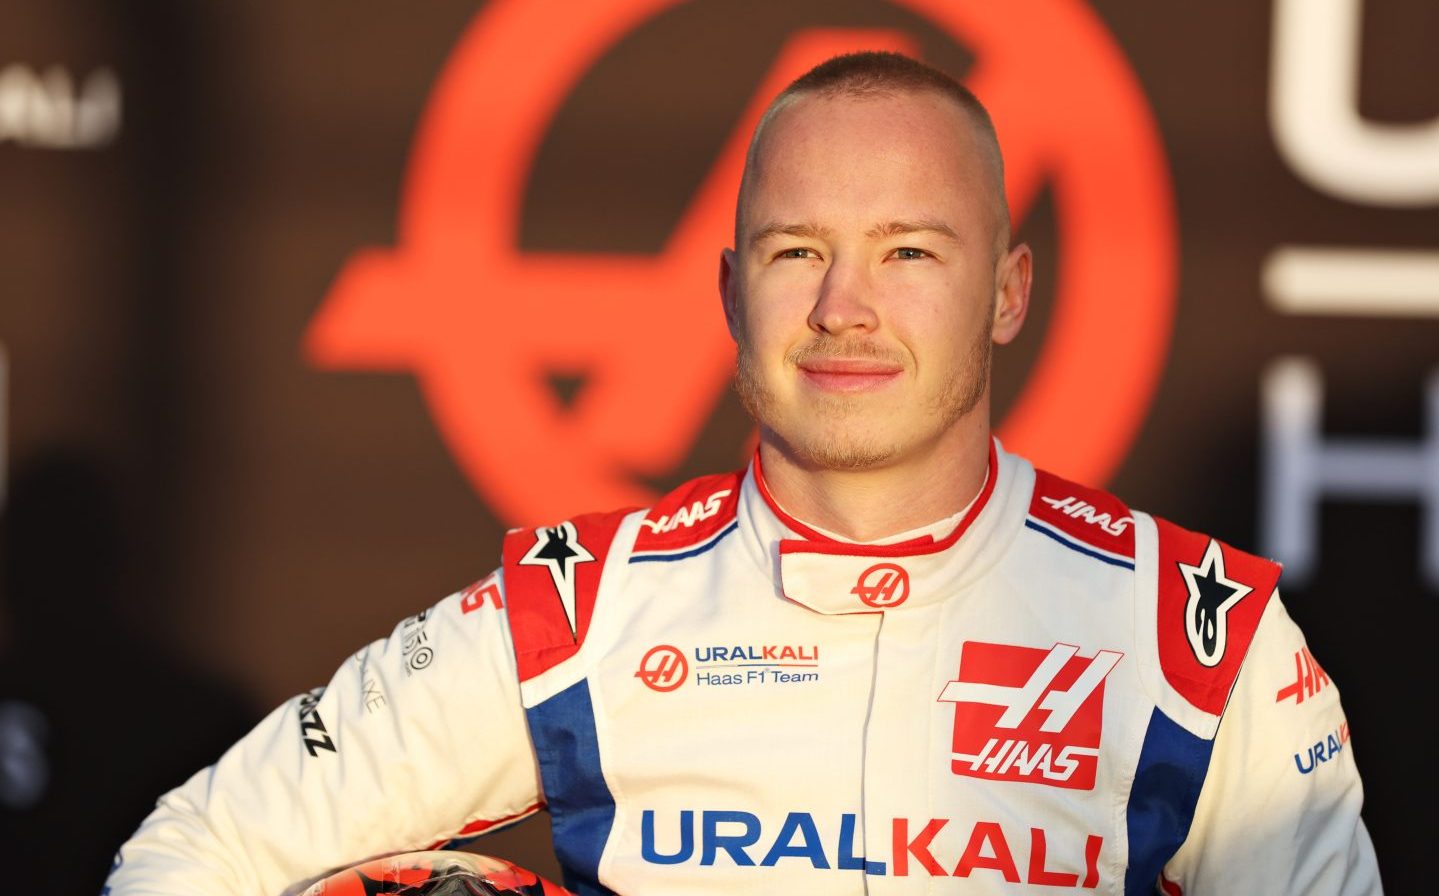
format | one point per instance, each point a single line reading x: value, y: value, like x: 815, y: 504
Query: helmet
x: 435, y: 873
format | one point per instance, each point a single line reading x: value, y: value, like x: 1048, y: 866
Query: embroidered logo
x: 882, y: 585
x: 559, y: 550
x: 1211, y: 596
x: 1027, y: 714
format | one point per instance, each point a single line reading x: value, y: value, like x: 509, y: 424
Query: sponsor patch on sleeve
x: 1211, y: 597
x: 551, y: 579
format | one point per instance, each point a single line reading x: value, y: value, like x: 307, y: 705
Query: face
x: 870, y: 279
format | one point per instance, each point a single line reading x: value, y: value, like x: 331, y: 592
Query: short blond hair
x: 877, y: 73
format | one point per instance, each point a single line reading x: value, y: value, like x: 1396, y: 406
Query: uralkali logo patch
x: 936, y: 847
x: 665, y: 668
x: 1029, y: 714
x: 762, y: 665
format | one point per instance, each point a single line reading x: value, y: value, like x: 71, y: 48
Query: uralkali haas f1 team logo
x: 485, y: 326
x: 1026, y: 714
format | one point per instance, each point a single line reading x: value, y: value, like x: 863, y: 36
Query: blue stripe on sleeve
x: 1171, y: 770
x: 582, y: 810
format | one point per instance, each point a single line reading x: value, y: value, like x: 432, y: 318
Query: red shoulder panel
x: 1088, y: 515
x: 690, y: 514
x: 1211, y: 597
x: 552, y: 575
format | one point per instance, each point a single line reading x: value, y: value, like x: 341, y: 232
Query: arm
x: 1279, y: 811
x: 417, y: 739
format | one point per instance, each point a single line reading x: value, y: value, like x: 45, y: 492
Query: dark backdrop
x: 213, y: 493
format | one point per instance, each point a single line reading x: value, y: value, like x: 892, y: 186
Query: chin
x: 835, y: 451
x: 826, y: 432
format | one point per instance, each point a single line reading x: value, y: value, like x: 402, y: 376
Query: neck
x: 865, y: 505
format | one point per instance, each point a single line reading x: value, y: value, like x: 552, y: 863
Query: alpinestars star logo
x: 559, y: 550
x: 1212, y: 595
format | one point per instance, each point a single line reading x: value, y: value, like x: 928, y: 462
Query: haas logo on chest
x: 1028, y: 714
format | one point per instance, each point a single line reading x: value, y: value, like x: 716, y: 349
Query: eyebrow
x: 899, y: 228
x: 774, y: 228
x: 886, y: 229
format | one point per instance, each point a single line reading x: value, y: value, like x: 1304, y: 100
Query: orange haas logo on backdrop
x: 482, y: 325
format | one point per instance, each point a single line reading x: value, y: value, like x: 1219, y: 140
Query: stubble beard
x: 835, y: 434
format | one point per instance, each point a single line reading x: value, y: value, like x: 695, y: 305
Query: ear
x: 729, y: 291
x: 1011, y: 293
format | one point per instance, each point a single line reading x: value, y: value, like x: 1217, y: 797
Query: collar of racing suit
x: 833, y: 576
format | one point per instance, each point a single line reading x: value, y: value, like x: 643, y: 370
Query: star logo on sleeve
x: 559, y: 550
x: 1212, y: 595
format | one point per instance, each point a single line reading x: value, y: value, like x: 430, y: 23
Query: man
x: 889, y: 657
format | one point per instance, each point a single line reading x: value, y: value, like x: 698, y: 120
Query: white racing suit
x: 1059, y: 694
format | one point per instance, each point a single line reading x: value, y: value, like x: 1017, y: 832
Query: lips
x: 849, y: 374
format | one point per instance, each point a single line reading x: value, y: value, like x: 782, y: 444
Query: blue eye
x: 909, y: 252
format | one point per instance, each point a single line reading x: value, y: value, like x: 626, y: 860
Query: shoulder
x: 1209, y: 600
x: 1081, y: 518
x: 1198, y: 600
x: 689, y: 519
x: 553, y: 575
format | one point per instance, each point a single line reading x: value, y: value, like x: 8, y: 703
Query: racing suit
x: 710, y: 696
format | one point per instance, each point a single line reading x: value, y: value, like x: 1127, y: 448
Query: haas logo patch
x: 1026, y: 714
x: 882, y: 585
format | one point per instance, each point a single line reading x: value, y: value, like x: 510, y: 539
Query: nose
x: 845, y: 302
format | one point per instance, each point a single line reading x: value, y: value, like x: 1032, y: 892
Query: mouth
x: 849, y: 374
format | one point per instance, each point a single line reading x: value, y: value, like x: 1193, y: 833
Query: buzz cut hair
x: 874, y: 73
x: 878, y: 72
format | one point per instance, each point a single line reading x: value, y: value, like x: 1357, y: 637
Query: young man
x: 889, y: 657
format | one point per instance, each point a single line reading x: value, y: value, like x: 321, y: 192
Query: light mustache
x: 829, y: 348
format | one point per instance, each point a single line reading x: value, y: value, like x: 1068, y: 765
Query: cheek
x: 941, y: 322
x: 759, y: 349
x: 776, y: 314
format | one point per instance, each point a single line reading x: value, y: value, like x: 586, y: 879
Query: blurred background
x: 303, y: 304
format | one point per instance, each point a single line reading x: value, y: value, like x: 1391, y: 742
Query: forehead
x: 885, y: 153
